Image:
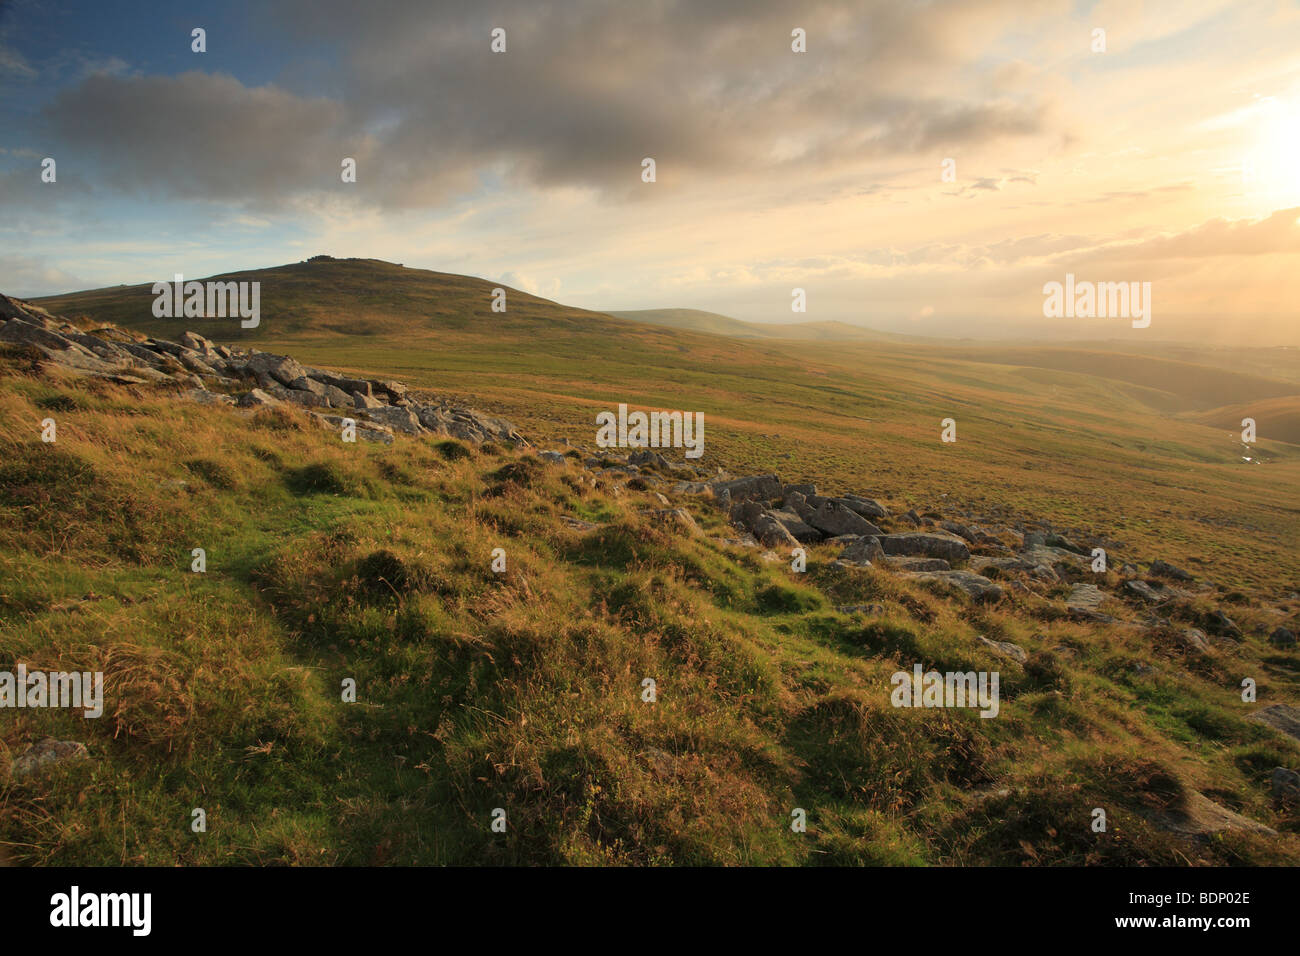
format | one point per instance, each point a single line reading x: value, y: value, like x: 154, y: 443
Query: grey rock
x: 795, y: 501
x: 799, y: 530
x: 960, y: 530
x: 863, y: 550
x: 1222, y: 625
x: 860, y: 608
x: 1054, y: 540
x: 763, y: 487
x: 369, y: 431
x: 1006, y: 648
x: 1086, y: 597
x: 978, y: 587
x: 553, y: 458
x: 978, y: 562
x: 679, y: 516
x: 1285, y: 785
x: 338, y: 398
x: 1162, y: 570
x: 911, y: 563
x: 835, y: 518
x: 1199, y: 816
x: 1280, y: 717
x: 866, y: 507
x: 304, y: 384
x: 192, y: 340
x: 204, y: 397
x: 256, y: 399
x: 772, y: 533
x: 279, y: 367
x: 45, y: 753
x: 648, y: 457
x: 305, y: 399
x: 951, y: 549
x: 398, y: 419
x: 24, y: 333
x: 1282, y: 638
x: 1152, y: 593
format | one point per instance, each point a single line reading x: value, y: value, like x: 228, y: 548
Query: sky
x: 1165, y: 149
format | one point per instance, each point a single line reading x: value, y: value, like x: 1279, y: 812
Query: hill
x: 696, y: 320
x: 1278, y: 418
x: 351, y: 297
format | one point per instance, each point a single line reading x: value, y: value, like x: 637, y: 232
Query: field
x: 480, y: 691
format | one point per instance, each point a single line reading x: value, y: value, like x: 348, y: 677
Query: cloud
x: 13, y: 63
x: 584, y: 91
x: 28, y: 277
x: 1278, y: 233
x: 199, y: 135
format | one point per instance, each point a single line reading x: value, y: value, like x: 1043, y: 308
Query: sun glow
x: 1272, y: 167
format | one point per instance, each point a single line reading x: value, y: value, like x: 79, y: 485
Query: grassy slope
x: 1041, y: 431
x: 522, y: 691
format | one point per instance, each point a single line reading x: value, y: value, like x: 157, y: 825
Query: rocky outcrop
x: 219, y: 375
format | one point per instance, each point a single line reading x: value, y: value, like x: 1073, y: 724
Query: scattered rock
x: 45, y: 753
x: 1006, y: 648
x: 204, y: 397
x: 1153, y: 593
x: 1222, y: 625
x: 978, y: 587
x: 1286, y: 785
x: 765, y: 487
x: 772, y: 533
x: 866, y: 550
x: 680, y: 516
x: 1201, y: 816
x: 860, y: 608
x: 867, y: 507
x: 257, y: 399
x: 1162, y: 570
x: 906, y: 563
x: 801, y: 532
x: 398, y: 419
x: 949, y: 547
x: 1282, y: 638
x: 834, y: 517
x: 1280, y: 717
x: 1085, y: 597
x: 279, y: 367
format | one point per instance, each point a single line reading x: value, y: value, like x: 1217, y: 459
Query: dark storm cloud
x: 585, y: 91
x: 196, y: 135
